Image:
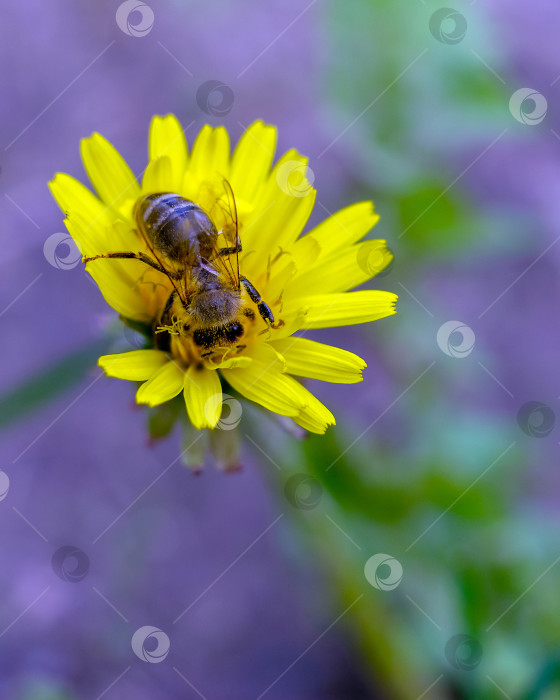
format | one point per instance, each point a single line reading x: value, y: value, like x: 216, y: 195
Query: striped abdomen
x: 176, y: 227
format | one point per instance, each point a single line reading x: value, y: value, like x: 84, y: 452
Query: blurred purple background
x: 83, y: 477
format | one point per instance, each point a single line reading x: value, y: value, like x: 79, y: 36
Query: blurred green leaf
x: 354, y: 492
x: 44, y: 690
x: 434, y: 221
x: 50, y: 382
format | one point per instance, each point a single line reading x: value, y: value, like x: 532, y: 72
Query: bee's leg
x: 164, y: 318
x: 263, y: 308
x: 162, y: 341
x: 174, y: 274
x: 232, y: 249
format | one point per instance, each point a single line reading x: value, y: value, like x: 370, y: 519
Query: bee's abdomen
x: 177, y: 227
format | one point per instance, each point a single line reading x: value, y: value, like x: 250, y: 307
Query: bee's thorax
x: 211, y: 306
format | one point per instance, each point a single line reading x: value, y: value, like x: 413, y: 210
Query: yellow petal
x: 117, y: 279
x: 327, y: 310
x: 306, y: 419
x: 95, y: 236
x: 119, y: 289
x: 162, y: 386
x: 167, y: 139
x: 210, y: 154
x: 340, y: 230
x: 93, y: 239
x: 158, y: 176
x: 265, y: 383
x: 109, y: 174
x: 203, y: 397
x: 309, y: 424
x: 136, y: 365
x: 280, y: 280
x: 242, y: 361
x: 273, y: 391
x: 129, y: 286
x: 90, y: 241
x: 306, y: 248
x: 293, y: 321
x: 314, y: 417
x: 342, y: 270
x: 252, y: 160
x: 283, y: 208
x: 278, y: 392
x: 265, y: 357
x: 75, y: 198
x: 307, y: 358
x: 124, y: 237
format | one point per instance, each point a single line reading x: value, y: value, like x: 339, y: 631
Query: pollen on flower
x: 206, y: 253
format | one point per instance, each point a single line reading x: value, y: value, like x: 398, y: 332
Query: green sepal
x: 162, y: 419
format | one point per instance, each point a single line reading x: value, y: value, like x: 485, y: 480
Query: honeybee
x: 206, y: 303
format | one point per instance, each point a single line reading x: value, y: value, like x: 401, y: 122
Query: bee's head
x: 233, y: 331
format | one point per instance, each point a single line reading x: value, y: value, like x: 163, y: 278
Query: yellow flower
x: 303, y: 280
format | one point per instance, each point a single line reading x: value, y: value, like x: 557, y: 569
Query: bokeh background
x: 442, y: 473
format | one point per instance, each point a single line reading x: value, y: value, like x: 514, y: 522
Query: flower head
x: 223, y: 299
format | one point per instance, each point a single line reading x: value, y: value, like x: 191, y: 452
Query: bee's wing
x: 224, y: 213
x: 182, y: 286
